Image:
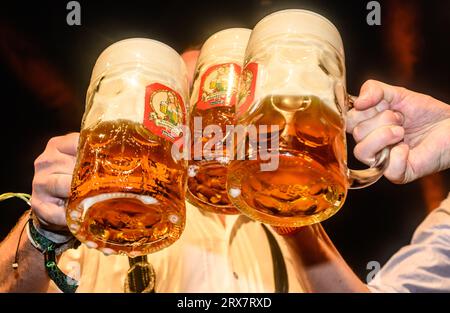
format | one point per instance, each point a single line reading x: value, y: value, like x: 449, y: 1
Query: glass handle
x: 363, y: 178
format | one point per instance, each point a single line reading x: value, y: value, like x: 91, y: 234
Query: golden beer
x: 295, y: 81
x: 127, y: 192
x: 213, y: 101
x: 135, y: 188
x: 310, y: 181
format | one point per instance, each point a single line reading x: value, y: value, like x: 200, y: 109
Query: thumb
x: 398, y: 160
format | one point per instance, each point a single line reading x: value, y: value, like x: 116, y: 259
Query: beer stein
x: 213, y: 101
x: 294, y: 99
x: 127, y: 192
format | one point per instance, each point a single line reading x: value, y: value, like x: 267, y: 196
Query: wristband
x: 59, y: 241
x: 50, y: 250
x: 49, y: 243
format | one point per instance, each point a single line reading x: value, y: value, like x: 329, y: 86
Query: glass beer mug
x: 127, y: 193
x: 294, y: 83
x: 213, y: 103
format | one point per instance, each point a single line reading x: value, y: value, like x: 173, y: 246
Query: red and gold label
x: 218, y: 86
x: 164, y: 113
x: 247, y: 87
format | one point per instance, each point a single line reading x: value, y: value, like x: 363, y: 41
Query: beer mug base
x: 299, y: 192
x: 127, y: 197
x: 125, y: 223
x: 207, y: 188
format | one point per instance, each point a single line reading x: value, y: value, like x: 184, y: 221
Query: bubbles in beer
x: 128, y: 192
x: 207, y: 179
x: 310, y: 182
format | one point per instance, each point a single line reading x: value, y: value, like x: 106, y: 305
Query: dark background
x: 45, y: 69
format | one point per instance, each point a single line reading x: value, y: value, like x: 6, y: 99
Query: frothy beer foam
x: 295, y: 70
x: 121, y: 97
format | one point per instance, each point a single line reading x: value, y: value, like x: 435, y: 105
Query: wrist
x: 45, y: 240
x: 56, y: 236
x: 51, y: 249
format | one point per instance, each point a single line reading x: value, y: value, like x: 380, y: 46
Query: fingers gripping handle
x: 363, y: 178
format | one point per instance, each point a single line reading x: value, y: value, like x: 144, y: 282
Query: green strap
x: 47, y: 247
x: 65, y: 283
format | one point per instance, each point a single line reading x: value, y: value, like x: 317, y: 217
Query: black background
x: 45, y: 69
x: 279, y: 302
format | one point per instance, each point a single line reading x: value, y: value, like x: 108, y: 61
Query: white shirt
x: 423, y: 265
x: 208, y: 257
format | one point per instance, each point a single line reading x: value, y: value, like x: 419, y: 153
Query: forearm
x: 30, y: 276
x: 319, y: 265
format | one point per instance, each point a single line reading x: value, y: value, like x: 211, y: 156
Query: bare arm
x: 319, y: 265
x: 51, y: 184
x: 417, y: 128
x: 30, y: 276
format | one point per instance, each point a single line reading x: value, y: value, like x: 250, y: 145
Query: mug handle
x: 362, y: 178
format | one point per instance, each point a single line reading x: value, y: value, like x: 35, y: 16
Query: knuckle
x: 37, y: 162
x: 351, y: 121
x: 388, y: 117
x: 44, y: 159
x: 369, y: 82
x: 386, y: 135
x: 402, y: 91
x: 41, y: 209
x: 74, y: 136
x: 52, y: 142
x: 41, y: 161
x: 35, y: 203
x: 368, y: 114
x: 359, y: 152
x: 394, y: 177
x: 349, y: 127
x: 357, y: 133
x: 61, y: 186
x: 54, y: 185
x: 38, y: 183
x: 46, y: 214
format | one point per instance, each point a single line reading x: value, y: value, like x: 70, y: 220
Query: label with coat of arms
x: 164, y: 113
x: 247, y: 88
x: 218, y: 86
